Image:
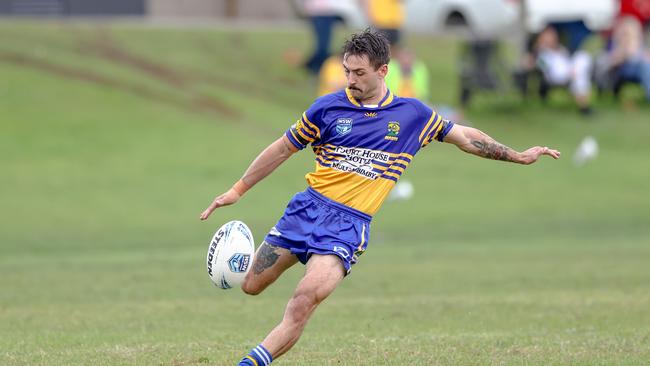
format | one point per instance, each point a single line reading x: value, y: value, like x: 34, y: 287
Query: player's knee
x: 252, y: 288
x: 301, y: 306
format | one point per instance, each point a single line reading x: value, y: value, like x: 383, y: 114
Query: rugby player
x: 364, y: 137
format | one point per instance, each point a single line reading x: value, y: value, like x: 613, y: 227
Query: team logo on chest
x: 343, y: 126
x: 393, y: 131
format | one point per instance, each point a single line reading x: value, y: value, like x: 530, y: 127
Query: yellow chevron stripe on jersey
x: 293, y: 133
x: 302, y: 126
x: 350, y: 189
x: 351, y: 98
x: 354, y: 101
x: 426, y: 127
x: 302, y: 134
x: 388, y: 100
x: 437, y: 126
x: 431, y: 125
x: 435, y: 131
x: 406, y: 155
x: 310, y: 125
x: 440, y: 126
x: 391, y: 174
x: 328, y: 148
x: 383, y: 169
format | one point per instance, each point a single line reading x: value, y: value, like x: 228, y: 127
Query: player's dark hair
x: 371, y: 43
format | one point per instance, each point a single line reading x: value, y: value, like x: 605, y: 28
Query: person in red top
x: 639, y: 9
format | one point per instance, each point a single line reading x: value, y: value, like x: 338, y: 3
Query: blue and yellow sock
x: 259, y: 356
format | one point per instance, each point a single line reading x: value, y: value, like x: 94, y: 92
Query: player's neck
x: 376, y: 97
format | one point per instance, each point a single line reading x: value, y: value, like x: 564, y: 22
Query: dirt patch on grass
x: 104, y: 47
x: 204, y: 103
x: 264, y: 91
x: 186, y: 88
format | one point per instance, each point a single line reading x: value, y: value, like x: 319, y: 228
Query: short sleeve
x: 307, y: 129
x: 435, y: 127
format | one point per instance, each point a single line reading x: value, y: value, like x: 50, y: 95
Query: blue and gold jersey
x: 361, y: 152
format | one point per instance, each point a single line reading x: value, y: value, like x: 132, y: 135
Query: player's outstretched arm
x: 265, y: 163
x: 476, y: 142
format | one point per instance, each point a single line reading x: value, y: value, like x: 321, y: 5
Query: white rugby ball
x: 230, y: 254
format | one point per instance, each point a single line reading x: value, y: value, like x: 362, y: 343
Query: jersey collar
x: 386, y: 100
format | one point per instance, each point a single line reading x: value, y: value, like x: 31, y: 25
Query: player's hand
x: 225, y: 199
x: 531, y: 155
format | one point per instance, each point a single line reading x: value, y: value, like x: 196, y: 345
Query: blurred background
x: 121, y: 120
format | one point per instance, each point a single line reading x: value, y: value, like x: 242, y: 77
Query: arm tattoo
x: 492, y: 150
x: 266, y: 257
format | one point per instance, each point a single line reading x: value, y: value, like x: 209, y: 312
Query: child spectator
x: 561, y: 68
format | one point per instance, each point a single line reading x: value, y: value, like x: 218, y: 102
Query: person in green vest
x: 407, y: 76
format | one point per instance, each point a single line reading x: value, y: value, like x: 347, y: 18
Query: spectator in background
x: 323, y: 17
x: 572, y: 33
x: 627, y: 58
x: 387, y: 16
x: 331, y: 77
x: 640, y: 9
x: 407, y: 76
x: 560, y: 68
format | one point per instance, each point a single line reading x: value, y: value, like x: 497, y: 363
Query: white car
x: 596, y: 14
x: 485, y: 18
x: 482, y: 18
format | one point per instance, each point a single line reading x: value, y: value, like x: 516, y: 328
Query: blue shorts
x: 313, y: 223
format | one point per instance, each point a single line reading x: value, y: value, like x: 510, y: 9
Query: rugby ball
x: 230, y: 254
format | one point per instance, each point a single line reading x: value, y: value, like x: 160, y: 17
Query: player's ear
x: 383, y: 70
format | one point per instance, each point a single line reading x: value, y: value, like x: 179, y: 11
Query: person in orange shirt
x: 387, y: 16
x: 331, y: 77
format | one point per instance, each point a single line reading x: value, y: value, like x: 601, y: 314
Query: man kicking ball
x: 364, y: 137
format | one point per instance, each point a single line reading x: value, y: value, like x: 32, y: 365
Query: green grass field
x: 114, y: 138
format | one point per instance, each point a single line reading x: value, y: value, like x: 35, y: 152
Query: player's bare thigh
x: 270, y: 262
x: 323, y: 274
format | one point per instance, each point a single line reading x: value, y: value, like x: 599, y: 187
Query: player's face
x: 363, y: 80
